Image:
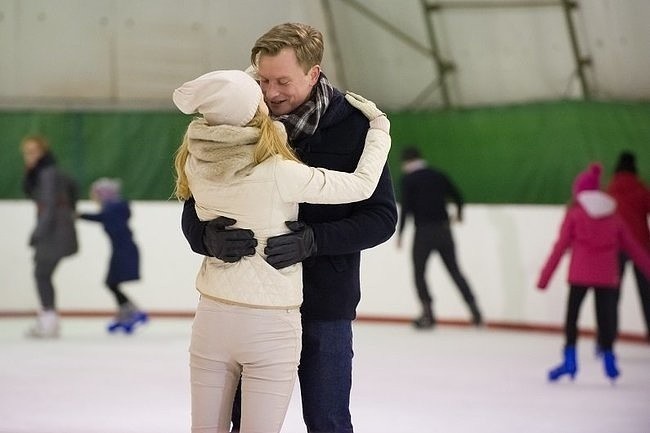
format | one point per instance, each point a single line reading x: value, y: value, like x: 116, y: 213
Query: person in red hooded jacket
x: 633, y: 205
x: 595, y: 233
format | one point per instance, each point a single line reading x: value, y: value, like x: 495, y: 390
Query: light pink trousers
x: 260, y: 345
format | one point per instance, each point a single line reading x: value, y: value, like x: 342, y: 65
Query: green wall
x: 514, y: 154
x: 527, y: 153
x: 137, y: 147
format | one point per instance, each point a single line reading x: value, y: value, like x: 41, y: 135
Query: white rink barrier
x: 500, y: 249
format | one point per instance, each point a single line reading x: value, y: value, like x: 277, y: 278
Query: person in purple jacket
x: 124, y: 264
x: 595, y: 233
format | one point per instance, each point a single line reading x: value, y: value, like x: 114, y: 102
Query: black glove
x: 291, y: 248
x: 229, y: 245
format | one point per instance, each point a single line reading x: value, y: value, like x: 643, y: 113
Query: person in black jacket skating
x: 325, y: 131
x: 424, y: 195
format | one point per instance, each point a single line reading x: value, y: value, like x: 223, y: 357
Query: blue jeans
x: 325, y: 375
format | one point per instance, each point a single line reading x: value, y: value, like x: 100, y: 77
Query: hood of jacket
x: 221, y: 153
x: 596, y: 203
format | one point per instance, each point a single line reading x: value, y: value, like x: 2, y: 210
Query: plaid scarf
x: 303, y: 121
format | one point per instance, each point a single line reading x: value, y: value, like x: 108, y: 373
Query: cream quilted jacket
x: 225, y: 182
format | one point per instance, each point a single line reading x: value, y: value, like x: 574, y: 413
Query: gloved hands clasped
x: 291, y: 248
x: 228, y: 244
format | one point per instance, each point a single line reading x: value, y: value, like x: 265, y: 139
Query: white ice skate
x: 46, y: 326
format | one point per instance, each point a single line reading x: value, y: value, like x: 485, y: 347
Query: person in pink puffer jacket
x: 595, y: 234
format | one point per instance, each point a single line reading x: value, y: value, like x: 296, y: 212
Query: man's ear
x: 314, y: 73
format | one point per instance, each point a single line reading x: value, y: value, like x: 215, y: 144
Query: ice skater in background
x: 595, y: 234
x: 633, y: 204
x: 425, y: 191
x: 125, y: 259
x: 55, y: 236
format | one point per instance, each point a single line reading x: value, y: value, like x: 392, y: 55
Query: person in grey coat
x: 54, y: 236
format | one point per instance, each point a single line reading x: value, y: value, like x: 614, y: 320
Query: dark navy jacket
x: 331, y: 287
x: 125, y: 257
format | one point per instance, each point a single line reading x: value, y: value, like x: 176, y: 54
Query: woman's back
x: 225, y: 181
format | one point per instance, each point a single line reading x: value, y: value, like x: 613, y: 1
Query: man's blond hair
x: 306, y: 41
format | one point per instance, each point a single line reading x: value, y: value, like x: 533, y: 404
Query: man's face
x: 284, y: 84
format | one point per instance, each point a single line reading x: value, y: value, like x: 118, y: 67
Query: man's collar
x: 413, y: 165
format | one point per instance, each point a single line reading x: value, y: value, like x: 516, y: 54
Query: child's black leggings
x: 606, y: 315
x: 119, y: 296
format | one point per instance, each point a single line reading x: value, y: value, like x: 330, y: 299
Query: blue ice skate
x: 609, y: 363
x: 568, y: 367
x: 128, y: 318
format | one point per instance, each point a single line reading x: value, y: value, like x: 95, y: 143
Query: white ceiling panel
x: 59, y: 49
x: 124, y: 52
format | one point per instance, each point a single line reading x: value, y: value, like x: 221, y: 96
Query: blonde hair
x: 306, y: 41
x: 271, y: 142
x: 40, y: 140
x: 182, y: 187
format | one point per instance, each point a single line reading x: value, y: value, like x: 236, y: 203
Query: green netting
x: 515, y: 154
x: 524, y: 154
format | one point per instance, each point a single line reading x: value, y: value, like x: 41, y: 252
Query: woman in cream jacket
x: 236, y: 163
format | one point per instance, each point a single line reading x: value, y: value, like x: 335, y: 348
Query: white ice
x: 449, y: 380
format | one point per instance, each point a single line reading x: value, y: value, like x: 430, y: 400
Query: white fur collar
x: 222, y: 152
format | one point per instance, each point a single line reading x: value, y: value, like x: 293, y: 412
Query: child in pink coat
x: 595, y: 234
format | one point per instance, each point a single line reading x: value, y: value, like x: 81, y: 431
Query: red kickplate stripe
x: 629, y: 337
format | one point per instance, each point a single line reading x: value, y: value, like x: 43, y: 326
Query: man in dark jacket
x: 325, y: 131
x: 425, y: 192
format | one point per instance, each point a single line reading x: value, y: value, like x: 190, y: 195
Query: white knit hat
x: 222, y: 97
x: 106, y: 189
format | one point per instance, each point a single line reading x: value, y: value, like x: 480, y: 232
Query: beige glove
x: 377, y: 117
x: 368, y: 108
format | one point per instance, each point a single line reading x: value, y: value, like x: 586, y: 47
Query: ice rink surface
x: 449, y: 380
